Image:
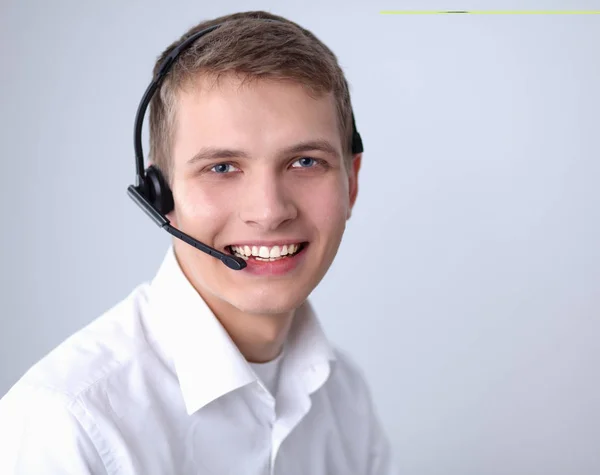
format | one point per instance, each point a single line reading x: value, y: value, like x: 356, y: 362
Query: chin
x: 268, y: 302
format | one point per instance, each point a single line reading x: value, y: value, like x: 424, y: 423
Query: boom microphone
x: 235, y: 263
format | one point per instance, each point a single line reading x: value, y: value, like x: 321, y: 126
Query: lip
x: 276, y: 268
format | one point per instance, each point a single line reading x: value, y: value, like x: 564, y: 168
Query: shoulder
x: 43, y: 431
x: 91, y: 354
x: 45, y: 419
x: 347, y: 371
x: 348, y: 380
x: 354, y: 397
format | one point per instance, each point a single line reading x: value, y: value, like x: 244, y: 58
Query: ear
x: 353, y: 181
x: 171, y: 215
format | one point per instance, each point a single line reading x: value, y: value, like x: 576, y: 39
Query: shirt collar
x: 207, y: 362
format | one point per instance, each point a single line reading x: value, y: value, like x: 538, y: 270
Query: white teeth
x: 265, y: 253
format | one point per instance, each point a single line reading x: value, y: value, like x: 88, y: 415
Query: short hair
x: 253, y: 49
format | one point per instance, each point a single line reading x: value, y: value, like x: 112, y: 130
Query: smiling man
x: 206, y: 369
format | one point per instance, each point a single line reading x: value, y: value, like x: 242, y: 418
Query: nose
x: 265, y: 202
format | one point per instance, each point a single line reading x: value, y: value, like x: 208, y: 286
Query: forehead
x: 258, y: 115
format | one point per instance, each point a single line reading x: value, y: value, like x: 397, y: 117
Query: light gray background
x: 467, y: 286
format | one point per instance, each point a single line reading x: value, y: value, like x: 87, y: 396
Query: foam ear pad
x: 159, y: 192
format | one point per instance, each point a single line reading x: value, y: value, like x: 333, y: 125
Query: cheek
x: 200, y: 205
x: 327, y: 205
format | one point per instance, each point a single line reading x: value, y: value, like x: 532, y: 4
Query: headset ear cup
x: 160, y: 193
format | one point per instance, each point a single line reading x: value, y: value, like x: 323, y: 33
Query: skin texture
x: 264, y: 194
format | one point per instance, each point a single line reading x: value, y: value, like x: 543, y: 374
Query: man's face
x: 251, y: 170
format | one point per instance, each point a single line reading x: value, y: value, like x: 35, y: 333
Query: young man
x: 206, y: 369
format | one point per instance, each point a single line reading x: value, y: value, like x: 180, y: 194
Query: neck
x: 259, y: 338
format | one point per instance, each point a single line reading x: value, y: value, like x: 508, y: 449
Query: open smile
x: 263, y: 253
x: 270, y: 260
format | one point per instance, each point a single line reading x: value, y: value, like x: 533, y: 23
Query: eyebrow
x: 216, y: 153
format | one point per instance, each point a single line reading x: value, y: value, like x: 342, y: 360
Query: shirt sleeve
x: 45, y: 432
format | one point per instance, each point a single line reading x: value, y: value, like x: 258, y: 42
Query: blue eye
x: 306, y: 162
x: 223, y: 168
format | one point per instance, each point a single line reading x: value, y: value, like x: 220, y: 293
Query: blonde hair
x: 248, y: 46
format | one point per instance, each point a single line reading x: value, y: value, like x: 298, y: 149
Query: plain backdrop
x: 467, y: 285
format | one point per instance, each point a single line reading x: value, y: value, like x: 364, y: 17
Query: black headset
x: 151, y: 191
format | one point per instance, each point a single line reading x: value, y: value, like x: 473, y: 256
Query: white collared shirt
x: 155, y: 386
